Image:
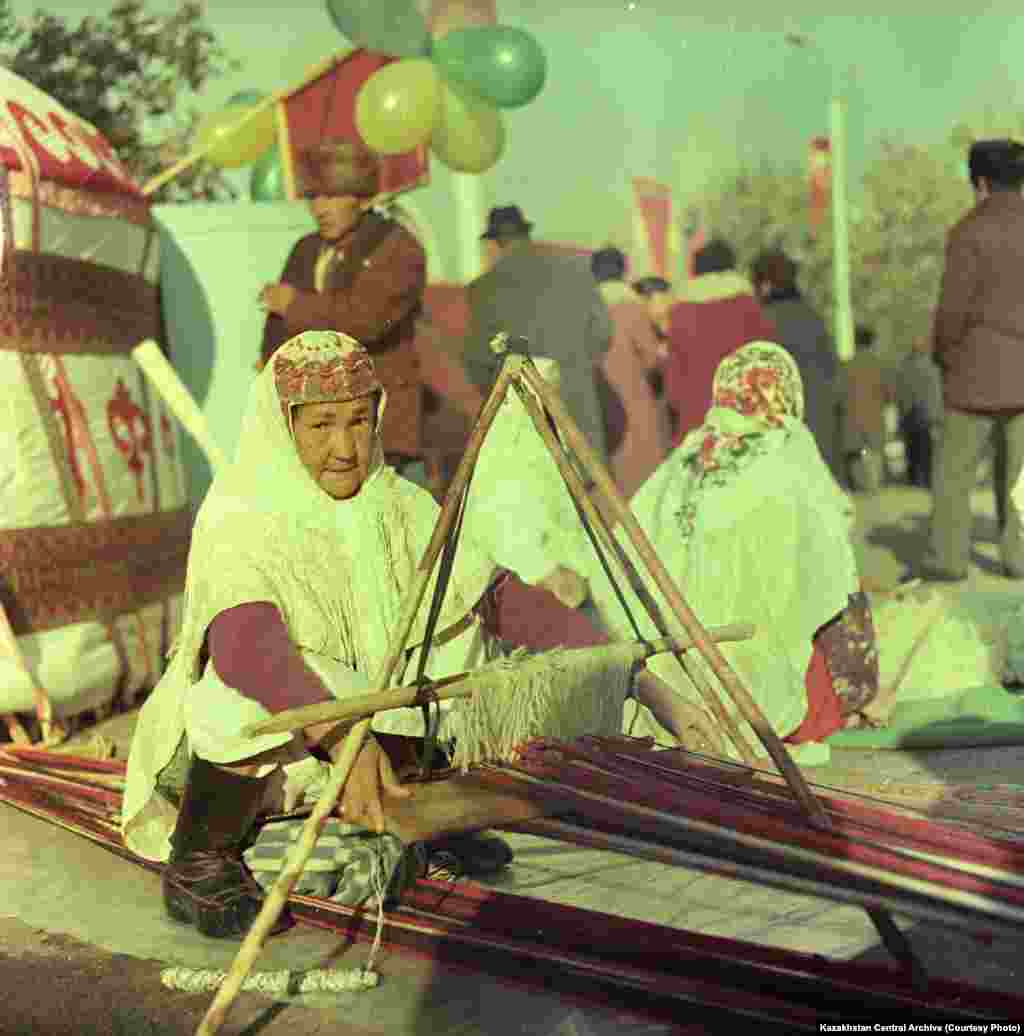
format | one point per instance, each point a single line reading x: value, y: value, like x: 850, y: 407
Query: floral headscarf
x: 762, y: 381
x: 756, y: 390
x: 757, y: 401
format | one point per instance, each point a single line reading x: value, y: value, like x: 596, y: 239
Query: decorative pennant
x: 820, y: 174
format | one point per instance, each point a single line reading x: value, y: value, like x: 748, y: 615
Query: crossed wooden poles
x: 519, y: 374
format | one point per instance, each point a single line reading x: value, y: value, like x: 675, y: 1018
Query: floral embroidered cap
x: 322, y: 367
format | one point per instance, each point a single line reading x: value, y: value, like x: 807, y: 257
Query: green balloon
x: 266, y: 180
x: 502, y: 65
x: 246, y: 98
x: 393, y: 27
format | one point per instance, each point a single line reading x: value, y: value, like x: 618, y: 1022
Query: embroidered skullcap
x: 322, y: 367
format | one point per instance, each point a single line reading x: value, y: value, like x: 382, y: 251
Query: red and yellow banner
x: 820, y: 175
x: 653, y: 202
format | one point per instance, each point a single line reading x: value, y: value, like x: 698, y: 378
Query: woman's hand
x: 371, y: 781
x: 276, y: 298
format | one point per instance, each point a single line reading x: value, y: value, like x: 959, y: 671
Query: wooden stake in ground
x: 274, y: 904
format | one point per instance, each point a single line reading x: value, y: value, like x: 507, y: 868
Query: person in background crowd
x: 636, y: 448
x: 804, y: 334
x: 715, y: 316
x: 657, y: 293
x: 978, y: 343
x: 919, y: 397
x: 865, y: 393
x: 552, y: 302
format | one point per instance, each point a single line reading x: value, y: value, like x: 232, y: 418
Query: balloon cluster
x: 447, y: 92
x: 233, y: 143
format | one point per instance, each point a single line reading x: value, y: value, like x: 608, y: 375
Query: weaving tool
x: 653, y: 972
x: 545, y: 408
x: 464, y: 685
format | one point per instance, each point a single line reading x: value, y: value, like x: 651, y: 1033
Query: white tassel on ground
x: 273, y: 983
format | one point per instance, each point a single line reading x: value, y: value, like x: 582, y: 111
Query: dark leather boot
x: 471, y: 855
x: 206, y: 883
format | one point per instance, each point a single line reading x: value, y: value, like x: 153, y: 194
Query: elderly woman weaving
x: 753, y: 527
x: 302, y: 556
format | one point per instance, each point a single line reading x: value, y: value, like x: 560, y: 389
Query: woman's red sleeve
x: 253, y: 653
x: 531, y: 617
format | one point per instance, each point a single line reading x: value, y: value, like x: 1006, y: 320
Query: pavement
x: 57, y: 886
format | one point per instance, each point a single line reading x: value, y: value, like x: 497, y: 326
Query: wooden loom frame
x: 550, y: 418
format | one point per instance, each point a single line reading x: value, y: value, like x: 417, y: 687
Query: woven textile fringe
x: 560, y: 694
x: 273, y: 983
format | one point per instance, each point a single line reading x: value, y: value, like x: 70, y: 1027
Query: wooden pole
x: 594, y: 515
x: 730, y: 681
x: 274, y: 904
x: 450, y: 688
x: 841, y: 232
x: 322, y: 68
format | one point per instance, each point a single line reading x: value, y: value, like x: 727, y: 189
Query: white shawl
x: 338, y: 571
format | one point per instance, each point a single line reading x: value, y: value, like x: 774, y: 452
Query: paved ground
x: 82, y: 936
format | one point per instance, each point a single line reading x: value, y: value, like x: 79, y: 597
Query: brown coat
x: 373, y: 292
x: 979, y: 324
x: 866, y: 390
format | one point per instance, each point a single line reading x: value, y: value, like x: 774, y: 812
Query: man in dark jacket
x: 804, y: 335
x: 978, y: 343
x: 919, y: 395
x: 550, y: 300
x: 361, y: 273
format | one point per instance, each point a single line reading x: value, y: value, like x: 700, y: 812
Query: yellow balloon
x: 396, y: 108
x: 233, y: 148
x: 470, y: 134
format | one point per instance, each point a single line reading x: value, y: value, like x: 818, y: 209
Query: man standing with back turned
x: 550, y: 300
x: 978, y: 344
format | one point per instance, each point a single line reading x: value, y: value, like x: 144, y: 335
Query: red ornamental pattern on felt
x: 61, y: 403
x: 167, y: 430
x: 130, y: 429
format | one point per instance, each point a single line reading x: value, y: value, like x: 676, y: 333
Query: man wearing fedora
x: 553, y: 302
x: 361, y: 273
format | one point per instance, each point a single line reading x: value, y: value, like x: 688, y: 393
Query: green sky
x: 629, y: 90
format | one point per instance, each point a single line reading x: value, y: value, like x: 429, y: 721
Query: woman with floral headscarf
x: 753, y: 528
x: 302, y: 557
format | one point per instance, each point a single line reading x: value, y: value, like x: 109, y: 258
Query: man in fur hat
x: 361, y: 273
